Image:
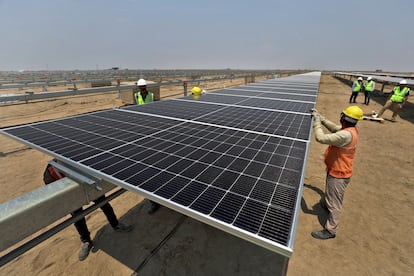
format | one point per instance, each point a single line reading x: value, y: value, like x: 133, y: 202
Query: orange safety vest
x: 338, y: 160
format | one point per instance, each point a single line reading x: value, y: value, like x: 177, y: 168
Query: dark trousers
x: 367, y: 97
x: 353, y: 97
x: 82, y: 228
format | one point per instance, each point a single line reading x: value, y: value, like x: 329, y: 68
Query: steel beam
x: 27, y: 214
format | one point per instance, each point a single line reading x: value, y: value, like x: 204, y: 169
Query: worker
x: 369, y: 87
x: 356, y: 88
x: 50, y: 175
x: 339, y: 156
x: 397, y: 99
x: 143, y: 96
x: 196, y: 92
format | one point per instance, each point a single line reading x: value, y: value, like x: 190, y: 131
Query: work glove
x: 315, y: 114
x: 316, y: 118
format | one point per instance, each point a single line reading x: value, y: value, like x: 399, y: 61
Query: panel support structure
x: 39, y: 208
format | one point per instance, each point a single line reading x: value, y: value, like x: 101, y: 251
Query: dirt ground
x: 374, y: 238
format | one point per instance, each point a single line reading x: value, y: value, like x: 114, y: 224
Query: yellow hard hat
x: 196, y: 90
x: 354, y: 112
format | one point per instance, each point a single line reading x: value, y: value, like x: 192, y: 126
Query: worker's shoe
x: 323, y: 234
x: 84, y: 251
x: 393, y: 120
x: 121, y: 227
x: 153, y: 208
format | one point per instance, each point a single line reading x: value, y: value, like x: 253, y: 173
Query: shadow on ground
x: 169, y: 243
x: 317, y: 208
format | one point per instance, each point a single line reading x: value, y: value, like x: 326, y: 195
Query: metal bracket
x: 91, y: 181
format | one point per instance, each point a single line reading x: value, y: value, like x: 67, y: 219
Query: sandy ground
x: 374, y: 238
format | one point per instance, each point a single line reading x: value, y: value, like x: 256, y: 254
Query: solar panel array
x: 234, y: 158
x: 386, y: 79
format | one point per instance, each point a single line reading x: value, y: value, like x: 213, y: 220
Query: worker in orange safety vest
x: 339, y: 157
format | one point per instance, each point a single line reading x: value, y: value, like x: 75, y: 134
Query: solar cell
x: 235, y: 162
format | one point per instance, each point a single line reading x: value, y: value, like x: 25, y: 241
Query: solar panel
x: 234, y: 162
x: 283, y: 86
x: 281, y: 90
x: 176, y: 109
x: 263, y: 100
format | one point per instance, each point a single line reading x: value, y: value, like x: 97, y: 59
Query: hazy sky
x: 238, y: 34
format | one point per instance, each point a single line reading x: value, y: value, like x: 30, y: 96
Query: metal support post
x: 185, y: 83
x: 49, y: 233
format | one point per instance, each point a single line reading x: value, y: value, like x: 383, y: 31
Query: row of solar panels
x: 378, y: 77
x: 234, y: 158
